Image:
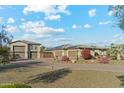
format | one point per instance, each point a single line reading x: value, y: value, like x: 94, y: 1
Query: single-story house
x: 74, y: 52
x: 22, y: 49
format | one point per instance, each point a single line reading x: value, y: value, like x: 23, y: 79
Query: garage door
x: 58, y: 53
x: 33, y: 55
x: 19, y: 48
x: 19, y: 55
x: 19, y: 52
x: 73, y: 54
x: 48, y: 55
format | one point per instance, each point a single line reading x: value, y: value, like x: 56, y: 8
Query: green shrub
x: 15, y: 86
x: 4, y: 55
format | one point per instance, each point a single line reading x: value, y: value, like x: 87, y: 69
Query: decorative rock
x: 92, y: 61
x: 73, y: 61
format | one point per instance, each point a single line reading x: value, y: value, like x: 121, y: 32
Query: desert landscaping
x: 47, y: 74
x: 62, y: 46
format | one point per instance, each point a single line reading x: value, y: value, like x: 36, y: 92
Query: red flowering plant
x: 103, y: 59
x: 65, y: 58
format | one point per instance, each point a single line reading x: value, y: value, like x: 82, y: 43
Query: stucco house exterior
x: 74, y: 52
x: 22, y: 49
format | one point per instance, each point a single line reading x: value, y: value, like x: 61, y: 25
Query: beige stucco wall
x: 73, y: 54
x: 38, y: 51
x: 27, y: 49
x: 58, y: 53
x: 34, y: 55
x: 20, y: 44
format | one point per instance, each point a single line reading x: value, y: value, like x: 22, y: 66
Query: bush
x: 96, y: 54
x: 4, y: 55
x: 15, y: 86
x: 103, y: 59
x: 113, y: 57
x: 65, y: 58
x: 86, y: 54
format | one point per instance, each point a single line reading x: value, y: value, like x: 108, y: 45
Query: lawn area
x: 37, y: 76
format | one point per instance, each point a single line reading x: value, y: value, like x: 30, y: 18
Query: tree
x: 112, y: 52
x: 5, y: 39
x: 86, y: 54
x: 116, y: 50
x: 118, y: 12
x: 43, y: 48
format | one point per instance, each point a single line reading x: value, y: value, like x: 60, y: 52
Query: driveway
x: 97, y: 67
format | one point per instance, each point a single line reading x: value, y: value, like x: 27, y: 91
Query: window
x: 33, y: 47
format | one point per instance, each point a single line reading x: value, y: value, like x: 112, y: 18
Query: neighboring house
x: 23, y: 49
x: 74, y: 52
x: 116, y: 51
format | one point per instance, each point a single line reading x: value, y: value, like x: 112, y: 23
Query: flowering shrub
x: 103, y: 59
x: 65, y: 58
x: 86, y: 54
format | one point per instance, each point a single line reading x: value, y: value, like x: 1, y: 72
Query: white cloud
x: 1, y: 19
x: 35, y: 37
x: 121, y: 38
x: 10, y: 28
x: 29, y: 25
x: 92, y: 12
x: 53, y: 17
x: 39, y: 28
x: 117, y: 35
x: 1, y: 7
x: 118, y: 38
x: 28, y: 37
x: 74, y: 26
x: 22, y: 19
x: 63, y: 9
x: 62, y: 39
x: 51, y: 11
x: 11, y: 20
x: 36, y: 8
x: 111, y: 13
x: 104, y: 22
x: 87, y: 26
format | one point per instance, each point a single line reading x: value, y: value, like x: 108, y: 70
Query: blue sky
x: 61, y: 24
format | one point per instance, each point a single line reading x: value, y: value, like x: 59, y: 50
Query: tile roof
x: 27, y: 42
x: 68, y: 46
